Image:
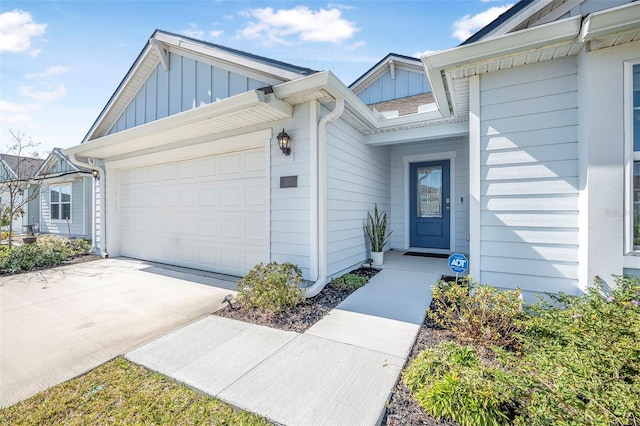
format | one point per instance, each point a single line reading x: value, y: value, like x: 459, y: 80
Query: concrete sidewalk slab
x: 385, y: 315
x: 314, y: 381
x: 213, y: 353
x: 62, y: 322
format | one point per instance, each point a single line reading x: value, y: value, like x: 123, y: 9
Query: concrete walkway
x: 340, y: 372
x: 58, y: 323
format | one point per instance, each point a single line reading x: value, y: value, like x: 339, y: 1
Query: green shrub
x: 349, y: 281
x: 271, y: 287
x: 582, y: 358
x: 451, y: 382
x: 578, y: 363
x: 478, y: 313
x: 49, y: 250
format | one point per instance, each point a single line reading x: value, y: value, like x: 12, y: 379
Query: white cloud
x: 466, y: 26
x: 300, y: 23
x: 14, y: 113
x: 58, y: 69
x: 16, y: 31
x: 43, y: 95
x: 215, y: 33
x: 194, y: 31
x: 421, y: 54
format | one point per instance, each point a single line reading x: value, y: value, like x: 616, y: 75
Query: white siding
x: 188, y: 84
x: 290, y: 240
x: 529, y: 177
x: 79, y: 225
x: 358, y: 176
x: 406, y: 83
x: 97, y: 233
x: 459, y: 194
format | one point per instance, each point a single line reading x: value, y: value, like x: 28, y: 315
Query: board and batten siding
x: 80, y: 223
x: 459, y: 193
x: 290, y: 215
x: 529, y: 177
x: 406, y: 83
x: 358, y: 177
x: 188, y: 84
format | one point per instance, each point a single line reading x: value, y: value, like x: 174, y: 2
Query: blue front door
x: 429, y: 204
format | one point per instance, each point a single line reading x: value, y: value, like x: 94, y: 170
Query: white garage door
x: 207, y: 213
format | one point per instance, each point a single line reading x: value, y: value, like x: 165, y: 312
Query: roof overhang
x: 241, y: 111
x: 448, y: 70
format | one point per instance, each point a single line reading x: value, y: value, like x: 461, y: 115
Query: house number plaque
x: 288, y: 181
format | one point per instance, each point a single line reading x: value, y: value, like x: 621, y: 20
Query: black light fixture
x: 227, y: 299
x: 284, y: 141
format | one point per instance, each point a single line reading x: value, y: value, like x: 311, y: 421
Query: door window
x: 429, y: 191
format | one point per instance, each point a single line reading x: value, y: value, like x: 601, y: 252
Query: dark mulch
x: 402, y: 408
x: 301, y: 317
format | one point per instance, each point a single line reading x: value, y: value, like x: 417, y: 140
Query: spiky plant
x: 376, y: 229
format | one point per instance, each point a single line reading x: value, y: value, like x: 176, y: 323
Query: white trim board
x: 439, y: 156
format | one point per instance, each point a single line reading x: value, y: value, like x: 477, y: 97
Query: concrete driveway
x: 60, y: 323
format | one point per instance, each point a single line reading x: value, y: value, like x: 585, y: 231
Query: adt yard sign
x: 458, y: 263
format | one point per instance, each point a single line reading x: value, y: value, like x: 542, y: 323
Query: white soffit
x: 612, y: 27
x: 241, y: 111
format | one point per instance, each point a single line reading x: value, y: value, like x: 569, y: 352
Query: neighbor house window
x: 635, y: 140
x: 60, y: 202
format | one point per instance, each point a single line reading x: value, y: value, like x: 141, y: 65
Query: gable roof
x: 448, y: 70
x: 156, y: 51
x: 22, y: 168
x: 55, y: 155
x: 387, y: 63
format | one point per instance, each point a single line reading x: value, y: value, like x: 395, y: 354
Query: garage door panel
x: 206, y: 213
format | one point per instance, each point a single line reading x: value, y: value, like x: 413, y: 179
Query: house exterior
x: 15, y: 173
x: 516, y: 148
x: 65, y: 201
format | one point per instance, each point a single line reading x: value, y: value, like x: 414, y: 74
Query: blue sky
x: 60, y: 61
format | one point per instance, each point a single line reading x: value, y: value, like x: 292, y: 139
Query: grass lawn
x: 120, y: 392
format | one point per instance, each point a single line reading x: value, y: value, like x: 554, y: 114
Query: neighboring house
x: 15, y: 173
x: 65, y: 202
x: 516, y: 148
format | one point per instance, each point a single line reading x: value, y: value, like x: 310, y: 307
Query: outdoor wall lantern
x: 285, y: 142
x: 95, y: 173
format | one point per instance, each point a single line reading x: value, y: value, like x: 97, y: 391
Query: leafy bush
x: 49, y: 250
x: 478, y: 312
x: 349, y: 281
x: 578, y: 363
x: 450, y: 381
x: 271, y: 287
x: 582, y: 360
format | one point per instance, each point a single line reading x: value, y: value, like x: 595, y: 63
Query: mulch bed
x: 301, y: 317
x: 402, y: 408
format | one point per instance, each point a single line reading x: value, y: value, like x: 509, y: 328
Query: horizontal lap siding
x: 79, y: 215
x: 290, y: 240
x: 357, y: 178
x: 529, y: 177
x: 459, y: 194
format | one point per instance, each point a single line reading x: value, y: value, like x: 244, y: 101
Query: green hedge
x: 48, y: 250
x: 576, y: 362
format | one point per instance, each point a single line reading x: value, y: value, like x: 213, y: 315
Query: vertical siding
x: 98, y: 216
x: 188, y: 84
x: 290, y: 213
x: 78, y: 216
x: 400, y: 204
x: 358, y: 176
x: 406, y: 83
x: 529, y: 177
